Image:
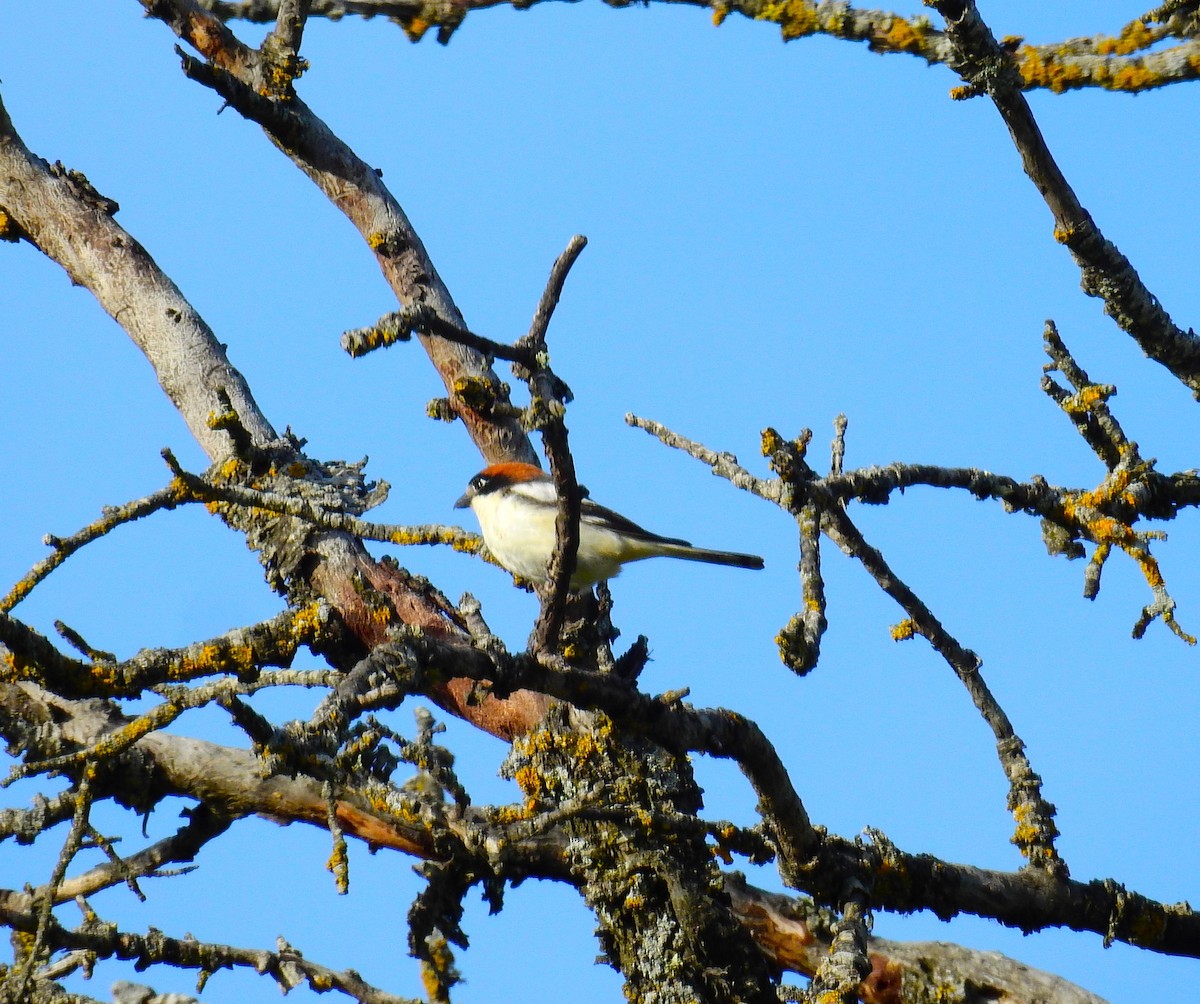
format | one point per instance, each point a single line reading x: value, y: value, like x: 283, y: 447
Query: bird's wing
x: 542, y: 493
x: 598, y: 515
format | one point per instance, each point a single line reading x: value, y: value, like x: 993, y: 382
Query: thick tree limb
x: 240, y: 75
x: 60, y: 214
x: 46, y: 206
x: 798, y: 938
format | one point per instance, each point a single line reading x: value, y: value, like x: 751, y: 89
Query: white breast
x: 518, y: 532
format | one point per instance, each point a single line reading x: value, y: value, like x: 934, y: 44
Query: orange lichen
x: 416, y: 28
x: 1084, y: 401
x: 339, y: 864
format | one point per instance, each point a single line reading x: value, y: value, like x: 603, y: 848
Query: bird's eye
x: 478, y: 482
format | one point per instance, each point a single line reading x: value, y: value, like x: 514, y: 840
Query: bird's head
x: 498, y: 477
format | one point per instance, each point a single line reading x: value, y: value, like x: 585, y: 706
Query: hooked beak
x: 464, y: 502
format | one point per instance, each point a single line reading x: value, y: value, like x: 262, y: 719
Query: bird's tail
x: 689, y: 553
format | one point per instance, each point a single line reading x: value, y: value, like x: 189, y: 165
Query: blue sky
x: 777, y: 234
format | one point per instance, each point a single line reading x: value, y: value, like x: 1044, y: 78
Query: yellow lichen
x: 772, y: 442
x: 18, y: 592
x: 9, y: 231
x: 1133, y: 78
x: 381, y: 615
x: 796, y: 18
x: 835, y: 23
x: 904, y: 630
x: 529, y: 781
x: 506, y: 814
x: 339, y: 864
x: 1050, y: 71
x: 1134, y: 37
x: 719, y: 13
x: 903, y: 36
x: 306, y: 622
x: 1026, y: 833
x: 221, y: 419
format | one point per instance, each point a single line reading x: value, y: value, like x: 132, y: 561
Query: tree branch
x: 1120, y: 62
x: 242, y: 77
x: 986, y: 68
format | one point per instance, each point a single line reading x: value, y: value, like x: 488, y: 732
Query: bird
x: 516, y: 505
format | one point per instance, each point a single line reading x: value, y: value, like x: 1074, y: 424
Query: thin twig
x: 535, y: 339
x: 289, y: 26
x: 201, y: 489
x: 399, y: 326
x: 46, y: 897
x: 64, y: 547
x: 107, y: 941
x: 542, y: 384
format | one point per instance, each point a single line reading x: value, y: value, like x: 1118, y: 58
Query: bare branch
x: 62, y: 216
x: 44, y: 904
x: 547, y: 394
x: 399, y: 326
x: 240, y: 76
x: 798, y: 489
x: 844, y: 968
x: 986, y: 68
x: 800, y: 639
x: 164, y: 498
x: 202, y: 489
x: 106, y: 941
x: 203, y: 825
x: 289, y: 26
x: 242, y: 652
